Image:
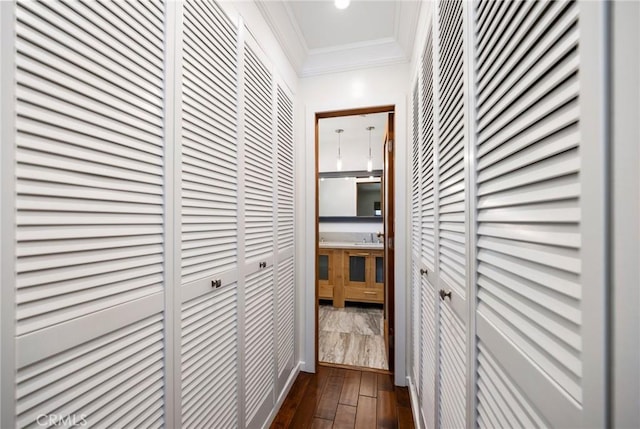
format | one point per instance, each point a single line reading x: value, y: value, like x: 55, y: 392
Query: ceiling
x: 318, y: 38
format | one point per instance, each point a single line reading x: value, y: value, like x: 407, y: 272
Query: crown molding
x: 307, y: 62
x: 355, y: 56
x: 281, y: 21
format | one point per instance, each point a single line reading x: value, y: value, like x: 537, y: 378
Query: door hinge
x: 390, y: 243
x: 390, y: 146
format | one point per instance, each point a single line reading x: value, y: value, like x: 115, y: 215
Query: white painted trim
x: 471, y: 208
x: 7, y: 215
x: 306, y: 240
x: 625, y: 213
x: 172, y: 211
x: 594, y: 153
x: 358, y: 56
x: 415, y: 404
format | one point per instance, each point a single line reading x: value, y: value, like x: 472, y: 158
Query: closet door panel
x: 452, y: 216
x: 285, y: 235
x: 259, y: 343
x: 427, y: 142
x: 259, y: 158
x: 209, y: 218
x: 415, y: 240
x: 209, y: 160
x: 209, y: 350
x: 451, y: 174
x: 286, y: 314
x: 429, y: 351
x: 529, y: 235
x: 285, y: 183
x: 89, y: 174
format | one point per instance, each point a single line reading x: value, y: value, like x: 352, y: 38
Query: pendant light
x: 370, y: 160
x: 339, y: 161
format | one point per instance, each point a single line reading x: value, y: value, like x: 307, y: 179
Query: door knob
x: 444, y: 294
x: 423, y: 271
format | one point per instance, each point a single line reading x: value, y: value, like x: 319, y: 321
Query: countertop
x: 350, y: 245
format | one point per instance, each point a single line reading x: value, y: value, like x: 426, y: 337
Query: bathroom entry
x: 354, y: 238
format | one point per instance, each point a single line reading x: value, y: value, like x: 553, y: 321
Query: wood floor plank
x: 292, y: 401
x: 405, y: 418
x: 386, y: 410
x: 366, y: 413
x: 345, y: 417
x: 321, y: 424
x: 304, y: 415
x: 385, y: 382
x: 318, y: 401
x: 369, y: 384
x: 328, y: 404
x: 351, y: 388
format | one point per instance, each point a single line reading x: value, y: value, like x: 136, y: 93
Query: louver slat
x: 427, y: 185
x: 259, y: 180
x: 286, y: 314
x: 285, y: 195
x: 416, y: 330
x: 416, y: 196
x: 89, y: 187
x: 209, y: 138
x: 209, y: 360
x: 259, y: 340
x: 452, y: 194
x: 529, y: 240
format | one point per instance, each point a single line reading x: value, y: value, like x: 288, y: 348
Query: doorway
x: 354, y: 289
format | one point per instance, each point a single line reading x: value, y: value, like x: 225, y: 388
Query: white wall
x: 360, y: 88
x: 338, y: 197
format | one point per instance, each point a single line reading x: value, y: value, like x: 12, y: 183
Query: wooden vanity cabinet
x: 363, y: 279
x: 355, y: 275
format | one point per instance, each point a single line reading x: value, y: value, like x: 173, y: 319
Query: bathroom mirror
x: 350, y: 196
x: 350, y: 163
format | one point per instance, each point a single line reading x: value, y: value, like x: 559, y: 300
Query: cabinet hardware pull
x: 216, y: 283
x: 423, y: 271
x: 366, y: 292
x: 444, y: 294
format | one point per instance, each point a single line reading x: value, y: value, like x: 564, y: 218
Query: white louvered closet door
x: 415, y: 240
x: 260, y: 222
x: 451, y: 209
x: 89, y: 173
x: 285, y: 232
x: 428, y: 298
x: 530, y: 318
x: 208, y: 218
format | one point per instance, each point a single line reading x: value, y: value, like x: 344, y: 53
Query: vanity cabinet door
x: 360, y: 276
x: 326, y: 273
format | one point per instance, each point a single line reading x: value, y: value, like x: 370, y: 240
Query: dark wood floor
x: 344, y: 398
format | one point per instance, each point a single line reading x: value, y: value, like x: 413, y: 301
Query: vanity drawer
x: 364, y: 294
x: 325, y: 291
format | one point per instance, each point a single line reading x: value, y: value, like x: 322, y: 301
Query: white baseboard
x: 415, y: 405
x: 287, y: 387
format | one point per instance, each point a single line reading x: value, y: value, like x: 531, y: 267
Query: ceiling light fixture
x: 339, y: 161
x: 370, y: 160
x: 342, y: 4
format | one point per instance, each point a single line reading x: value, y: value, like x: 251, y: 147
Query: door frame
x: 388, y: 267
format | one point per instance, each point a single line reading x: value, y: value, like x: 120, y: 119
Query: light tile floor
x: 352, y: 336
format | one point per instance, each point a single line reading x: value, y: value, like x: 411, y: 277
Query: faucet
x: 372, y: 237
